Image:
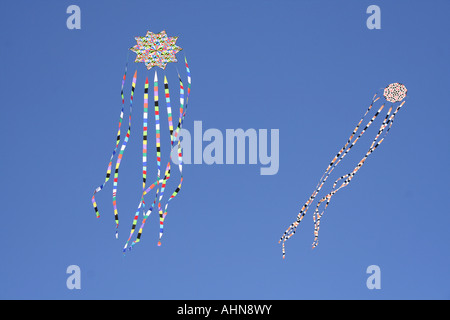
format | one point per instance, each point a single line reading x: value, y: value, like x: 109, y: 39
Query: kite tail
x: 133, y: 227
x: 144, y: 164
x: 158, y: 197
x: 157, y: 124
x: 174, y: 135
x: 161, y: 194
x: 158, y: 161
x: 169, y: 109
x: 144, y: 137
x: 341, y: 154
x: 182, y: 115
x: 119, y: 157
x: 387, y: 122
x: 182, y: 110
x: 171, y: 131
x: 188, y: 71
x: 146, y: 215
x: 167, y: 173
x: 290, y: 231
x: 174, y: 194
x: 108, y: 171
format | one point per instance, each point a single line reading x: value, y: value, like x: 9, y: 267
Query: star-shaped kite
x: 156, y: 49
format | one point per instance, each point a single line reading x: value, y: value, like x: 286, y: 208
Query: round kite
x: 154, y: 50
x: 393, y: 93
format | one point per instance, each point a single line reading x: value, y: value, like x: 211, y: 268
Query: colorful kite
x: 154, y: 50
x: 393, y: 93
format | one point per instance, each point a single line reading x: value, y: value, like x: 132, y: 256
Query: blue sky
x: 307, y: 68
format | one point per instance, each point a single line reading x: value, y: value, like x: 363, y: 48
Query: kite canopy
x: 156, y: 49
x: 395, y: 92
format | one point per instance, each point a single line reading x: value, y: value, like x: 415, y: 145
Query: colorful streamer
x: 108, y: 170
x: 179, y: 149
x: 120, y: 156
x: 144, y: 162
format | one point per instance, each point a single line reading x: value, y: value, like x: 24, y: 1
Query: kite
x: 154, y: 50
x: 395, y: 93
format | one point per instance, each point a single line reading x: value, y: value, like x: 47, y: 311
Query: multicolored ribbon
x: 120, y: 156
x: 180, y: 153
x: 169, y: 109
x: 157, y: 125
x: 149, y: 211
x: 174, y: 134
x: 167, y: 175
x: 108, y: 171
x: 158, y: 162
x: 144, y: 162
